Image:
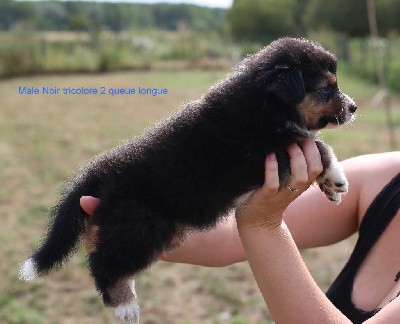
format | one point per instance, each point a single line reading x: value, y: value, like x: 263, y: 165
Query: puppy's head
x: 301, y: 75
x: 325, y: 105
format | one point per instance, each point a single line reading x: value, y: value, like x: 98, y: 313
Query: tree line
x: 262, y: 20
x: 88, y: 16
x: 257, y: 20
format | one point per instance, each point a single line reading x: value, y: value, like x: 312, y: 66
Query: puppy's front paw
x: 333, y: 183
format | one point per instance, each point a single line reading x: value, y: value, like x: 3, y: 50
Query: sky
x: 207, y: 3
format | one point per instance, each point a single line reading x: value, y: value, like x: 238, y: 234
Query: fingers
x: 313, y: 159
x: 298, y: 166
x: 271, y: 185
x: 266, y: 205
x: 90, y: 240
x: 305, y: 164
x: 89, y: 204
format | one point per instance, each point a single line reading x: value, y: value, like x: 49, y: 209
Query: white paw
x: 333, y: 183
x: 128, y: 313
x: 28, y: 270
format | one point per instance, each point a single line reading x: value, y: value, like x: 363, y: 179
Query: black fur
x: 187, y: 171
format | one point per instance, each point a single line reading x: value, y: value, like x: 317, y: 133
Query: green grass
x: 44, y: 138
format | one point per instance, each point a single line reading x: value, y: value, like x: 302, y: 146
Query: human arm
x: 196, y: 247
x: 288, y: 289
x: 312, y: 219
x: 291, y: 294
x: 284, y: 281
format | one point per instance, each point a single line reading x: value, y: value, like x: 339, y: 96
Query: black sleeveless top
x: 376, y: 219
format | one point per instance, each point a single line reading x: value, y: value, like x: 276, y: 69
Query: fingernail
x: 271, y: 157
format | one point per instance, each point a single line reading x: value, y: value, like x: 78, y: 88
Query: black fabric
x: 376, y: 219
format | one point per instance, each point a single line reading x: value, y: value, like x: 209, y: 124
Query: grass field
x: 44, y: 138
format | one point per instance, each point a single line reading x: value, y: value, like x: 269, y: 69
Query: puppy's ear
x: 287, y: 85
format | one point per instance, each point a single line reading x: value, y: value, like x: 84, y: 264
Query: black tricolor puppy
x: 191, y: 169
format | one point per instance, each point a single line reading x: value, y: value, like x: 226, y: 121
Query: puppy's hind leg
x: 118, y: 293
x: 130, y: 237
x: 124, y: 296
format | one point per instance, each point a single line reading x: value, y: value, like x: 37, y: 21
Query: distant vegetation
x: 74, y: 36
x: 263, y: 20
x: 23, y: 52
x: 255, y: 20
x: 92, y: 16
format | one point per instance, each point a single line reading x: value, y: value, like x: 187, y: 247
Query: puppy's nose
x: 352, y: 107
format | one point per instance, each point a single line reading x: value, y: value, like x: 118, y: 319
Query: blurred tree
x: 79, y: 15
x: 142, y: 17
x: 261, y: 20
x: 300, y: 9
x: 51, y: 15
x: 118, y: 17
x: 11, y: 12
x: 348, y: 17
x: 170, y: 16
x: 388, y: 16
x: 78, y: 22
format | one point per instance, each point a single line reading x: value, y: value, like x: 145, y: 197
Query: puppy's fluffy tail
x: 67, y: 224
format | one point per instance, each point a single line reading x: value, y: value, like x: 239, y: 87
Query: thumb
x: 89, y: 204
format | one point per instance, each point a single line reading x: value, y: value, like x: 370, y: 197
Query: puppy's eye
x: 327, y: 89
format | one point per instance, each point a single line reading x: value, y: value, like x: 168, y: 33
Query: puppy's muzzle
x: 351, y: 105
x: 344, y: 114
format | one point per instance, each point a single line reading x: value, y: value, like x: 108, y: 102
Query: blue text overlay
x: 102, y: 91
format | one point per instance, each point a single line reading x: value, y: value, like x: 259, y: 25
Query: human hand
x: 89, y: 204
x: 266, y: 205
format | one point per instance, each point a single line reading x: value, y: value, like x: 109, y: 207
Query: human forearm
x: 288, y: 289
x: 218, y: 247
x: 284, y: 281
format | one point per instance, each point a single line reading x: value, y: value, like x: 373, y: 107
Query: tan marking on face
x: 311, y: 111
x: 331, y: 79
